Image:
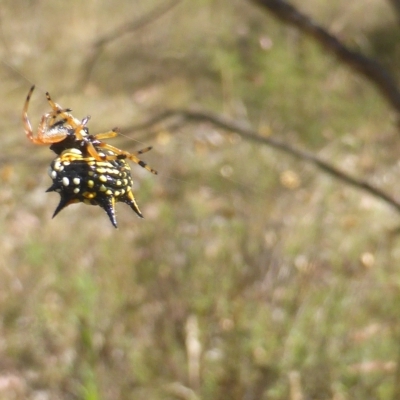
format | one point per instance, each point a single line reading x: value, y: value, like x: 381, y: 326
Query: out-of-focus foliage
x: 253, y: 276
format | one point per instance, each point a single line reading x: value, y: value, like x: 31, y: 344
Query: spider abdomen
x: 84, y: 179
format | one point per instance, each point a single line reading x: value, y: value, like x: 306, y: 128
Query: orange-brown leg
x: 107, y: 135
x: 145, y: 150
x: 79, y: 128
x: 131, y: 156
x: 25, y: 119
x: 127, y: 155
x: 113, y: 133
x: 63, y: 113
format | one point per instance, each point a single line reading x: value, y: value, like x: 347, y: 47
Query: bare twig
x: 252, y: 135
x: 396, y: 8
x: 98, y: 45
x: 369, y: 68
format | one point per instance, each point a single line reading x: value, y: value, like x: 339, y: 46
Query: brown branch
x: 252, y: 135
x: 396, y: 7
x: 98, y: 45
x: 369, y: 68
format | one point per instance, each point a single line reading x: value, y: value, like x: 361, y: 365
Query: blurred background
x: 253, y: 275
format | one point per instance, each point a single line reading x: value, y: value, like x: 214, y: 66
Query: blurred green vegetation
x: 253, y: 275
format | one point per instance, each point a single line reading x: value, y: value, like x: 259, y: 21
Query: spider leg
x: 63, y: 113
x: 113, y: 133
x: 56, y: 107
x: 55, y: 114
x: 107, y: 135
x: 145, y: 150
x: 25, y: 119
x: 120, y: 154
x: 80, y: 127
x: 95, y: 154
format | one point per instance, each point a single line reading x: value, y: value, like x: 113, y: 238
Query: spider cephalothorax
x: 86, y: 169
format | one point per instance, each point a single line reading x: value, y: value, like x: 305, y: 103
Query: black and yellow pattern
x: 84, y: 179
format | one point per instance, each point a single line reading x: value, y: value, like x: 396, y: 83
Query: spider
x: 86, y: 169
